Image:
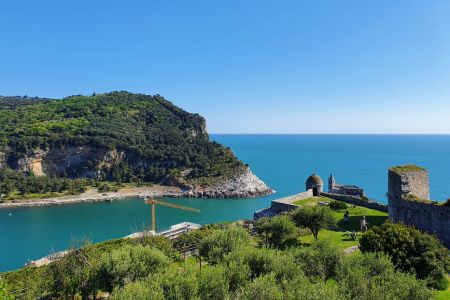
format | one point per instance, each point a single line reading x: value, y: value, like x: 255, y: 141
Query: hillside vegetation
x: 126, y: 138
x: 231, y: 264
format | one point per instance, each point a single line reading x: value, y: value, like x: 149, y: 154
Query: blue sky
x: 246, y: 66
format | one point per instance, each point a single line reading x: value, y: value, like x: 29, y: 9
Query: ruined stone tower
x: 409, y: 202
x: 408, y: 181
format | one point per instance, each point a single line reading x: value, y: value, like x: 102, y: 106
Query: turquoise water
x: 282, y: 161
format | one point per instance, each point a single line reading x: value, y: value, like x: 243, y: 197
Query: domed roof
x: 314, y: 180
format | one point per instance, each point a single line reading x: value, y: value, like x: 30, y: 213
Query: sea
x: 283, y: 162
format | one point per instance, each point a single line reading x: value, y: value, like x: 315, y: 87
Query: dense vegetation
x: 230, y: 264
x: 172, y: 142
x: 410, y: 250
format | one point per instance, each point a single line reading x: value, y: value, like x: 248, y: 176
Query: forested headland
x: 118, y: 137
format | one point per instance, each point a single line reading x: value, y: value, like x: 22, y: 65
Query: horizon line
x: 281, y: 133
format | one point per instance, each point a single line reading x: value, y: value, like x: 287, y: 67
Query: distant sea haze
x: 282, y: 161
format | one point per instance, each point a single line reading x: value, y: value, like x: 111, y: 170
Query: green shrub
x: 337, y: 205
x: 212, y: 284
x: 223, y: 241
x: 4, y: 295
x: 262, y: 288
x: 409, y: 249
x: 139, y: 290
x: 130, y: 263
x: 440, y: 282
x: 373, y: 276
x: 319, y: 261
x: 178, y: 285
x: 278, y: 231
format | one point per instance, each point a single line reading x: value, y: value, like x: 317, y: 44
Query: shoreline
x: 92, y: 195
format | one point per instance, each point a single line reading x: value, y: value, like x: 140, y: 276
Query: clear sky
x: 247, y: 66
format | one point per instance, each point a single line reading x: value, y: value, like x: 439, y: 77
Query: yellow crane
x: 153, y: 203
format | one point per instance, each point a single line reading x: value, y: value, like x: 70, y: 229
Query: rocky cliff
x: 64, y: 160
x: 244, y: 185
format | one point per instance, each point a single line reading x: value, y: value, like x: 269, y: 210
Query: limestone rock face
x: 60, y: 161
x: 245, y: 185
x: 32, y: 162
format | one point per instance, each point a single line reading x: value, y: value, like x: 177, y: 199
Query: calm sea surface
x: 282, y: 161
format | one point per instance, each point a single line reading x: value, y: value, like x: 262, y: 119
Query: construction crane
x: 153, y: 203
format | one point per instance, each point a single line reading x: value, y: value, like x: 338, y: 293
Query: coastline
x: 245, y: 185
x: 92, y: 195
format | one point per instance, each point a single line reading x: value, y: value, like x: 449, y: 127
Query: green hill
x: 118, y: 136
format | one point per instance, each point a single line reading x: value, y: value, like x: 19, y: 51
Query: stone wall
x: 282, y: 205
x: 357, y: 201
x: 408, y: 180
x: 429, y: 217
x: 405, y: 183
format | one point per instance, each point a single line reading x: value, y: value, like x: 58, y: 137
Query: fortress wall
x: 434, y: 219
x: 406, y: 182
x: 357, y: 201
x: 282, y: 205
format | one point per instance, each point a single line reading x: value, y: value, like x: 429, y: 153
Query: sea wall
x: 357, y: 201
x: 282, y: 205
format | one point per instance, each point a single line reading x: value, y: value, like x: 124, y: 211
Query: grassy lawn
x: 443, y: 295
x: 312, y: 201
x: 338, y: 235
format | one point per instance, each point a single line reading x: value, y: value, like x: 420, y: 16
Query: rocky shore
x: 246, y: 185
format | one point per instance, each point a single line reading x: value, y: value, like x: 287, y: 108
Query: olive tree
x: 314, y: 218
x: 276, y: 231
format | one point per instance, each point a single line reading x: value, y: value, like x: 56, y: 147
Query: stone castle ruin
x: 409, y: 202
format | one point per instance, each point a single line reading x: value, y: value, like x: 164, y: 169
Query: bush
x: 373, y: 276
x: 139, y: 290
x: 223, y: 241
x: 409, y: 249
x: 212, y: 284
x: 302, y: 288
x: 337, y: 205
x: 176, y: 285
x: 318, y: 261
x: 4, y: 295
x: 262, y: 288
x: 440, y: 282
x: 130, y: 263
x: 277, y: 231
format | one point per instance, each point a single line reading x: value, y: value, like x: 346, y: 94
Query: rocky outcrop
x: 32, y: 162
x: 85, y: 161
x: 245, y: 185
